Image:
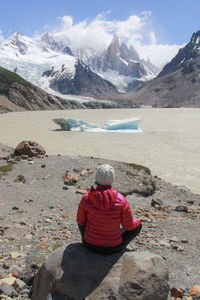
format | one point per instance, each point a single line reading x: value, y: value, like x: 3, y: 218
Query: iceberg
x: 74, y: 124
x: 130, y: 125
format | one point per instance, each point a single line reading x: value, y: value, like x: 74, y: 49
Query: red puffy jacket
x: 102, y: 211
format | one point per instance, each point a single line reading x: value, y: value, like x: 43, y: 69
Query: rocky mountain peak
x: 18, y: 41
x: 195, y: 39
x: 114, y: 47
x: 186, y: 54
x: 49, y: 42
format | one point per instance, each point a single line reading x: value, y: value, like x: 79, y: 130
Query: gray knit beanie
x: 105, y: 175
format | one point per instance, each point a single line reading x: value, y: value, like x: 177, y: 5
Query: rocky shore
x: 38, y: 203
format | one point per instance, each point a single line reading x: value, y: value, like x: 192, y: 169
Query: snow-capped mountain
x: 119, y: 64
x: 178, y: 84
x: 46, y: 60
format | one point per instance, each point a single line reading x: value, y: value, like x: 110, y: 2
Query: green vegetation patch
x: 56, y: 246
x: 21, y: 211
x: 8, y: 78
x: 5, y: 169
x: 20, y: 178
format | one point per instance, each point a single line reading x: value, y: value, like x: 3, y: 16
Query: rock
x: 16, y: 271
x: 195, y: 290
x: 155, y: 202
x: 9, y: 280
x: 15, y: 255
x: 7, y: 289
x: 181, y: 208
x: 30, y: 149
x: 73, y: 272
x: 81, y: 191
x: 19, y: 285
x: 174, y: 239
x: 70, y: 178
x: 165, y: 244
x: 176, y: 292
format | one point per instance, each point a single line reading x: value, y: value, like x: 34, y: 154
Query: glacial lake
x: 169, y: 143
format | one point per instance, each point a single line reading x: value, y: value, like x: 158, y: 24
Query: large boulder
x: 30, y: 148
x: 75, y: 273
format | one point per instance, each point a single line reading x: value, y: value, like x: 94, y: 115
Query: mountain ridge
x: 32, y: 57
x: 177, y: 85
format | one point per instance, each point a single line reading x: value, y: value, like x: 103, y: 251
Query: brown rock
x: 195, y: 290
x: 70, y: 178
x: 30, y: 149
x: 176, y: 292
x: 81, y: 191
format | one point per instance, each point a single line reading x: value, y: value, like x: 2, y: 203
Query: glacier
x: 130, y: 125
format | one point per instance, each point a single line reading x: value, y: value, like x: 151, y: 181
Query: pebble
x: 15, y: 255
x: 181, y: 208
x: 7, y: 289
x: 165, y: 244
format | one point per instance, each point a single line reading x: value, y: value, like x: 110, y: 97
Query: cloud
x: 158, y: 54
x: 96, y: 34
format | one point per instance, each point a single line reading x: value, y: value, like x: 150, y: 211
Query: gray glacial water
x: 169, y: 144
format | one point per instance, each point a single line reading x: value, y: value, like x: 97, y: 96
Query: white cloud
x: 136, y: 30
x: 158, y: 54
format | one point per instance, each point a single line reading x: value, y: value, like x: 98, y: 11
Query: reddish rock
x: 176, y: 292
x: 30, y: 149
x: 70, y: 178
x: 195, y: 290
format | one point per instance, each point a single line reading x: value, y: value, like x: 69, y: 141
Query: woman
x: 100, y: 214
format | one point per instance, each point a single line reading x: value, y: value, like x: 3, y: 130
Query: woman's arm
x: 81, y: 213
x: 127, y: 220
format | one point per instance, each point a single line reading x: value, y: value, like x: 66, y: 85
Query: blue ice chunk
x: 70, y: 124
x: 131, y: 123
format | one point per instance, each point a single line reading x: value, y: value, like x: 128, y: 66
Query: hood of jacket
x: 103, y: 197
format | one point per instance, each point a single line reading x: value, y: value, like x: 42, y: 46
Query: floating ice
x: 74, y: 124
x: 125, y: 125
x: 131, y: 123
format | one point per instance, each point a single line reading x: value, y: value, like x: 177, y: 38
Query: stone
x: 176, y: 292
x: 15, y: 255
x: 7, y: 289
x: 16, y: 271
x: 30, y: 149
x: 19, y: 285
x: 181, y: 208
x: 195, y: 290
x: 155, y: 202
x: 9, y: 280
x: 70, y: 178
x: 73, y: 272
x: 165, y: 244
x: 81, y: 191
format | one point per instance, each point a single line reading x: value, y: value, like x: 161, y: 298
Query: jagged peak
x: 195, y: 39
x: 115, y: 40
x: 16, y: 36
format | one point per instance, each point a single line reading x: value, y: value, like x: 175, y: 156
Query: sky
x: 156, y: 28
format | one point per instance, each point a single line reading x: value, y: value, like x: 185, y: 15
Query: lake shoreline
x: 38, y: 214
x: 168, y: 144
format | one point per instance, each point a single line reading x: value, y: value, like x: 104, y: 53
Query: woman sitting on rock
x: 100, y: 214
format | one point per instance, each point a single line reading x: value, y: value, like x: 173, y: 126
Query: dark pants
x: 127, y: 237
